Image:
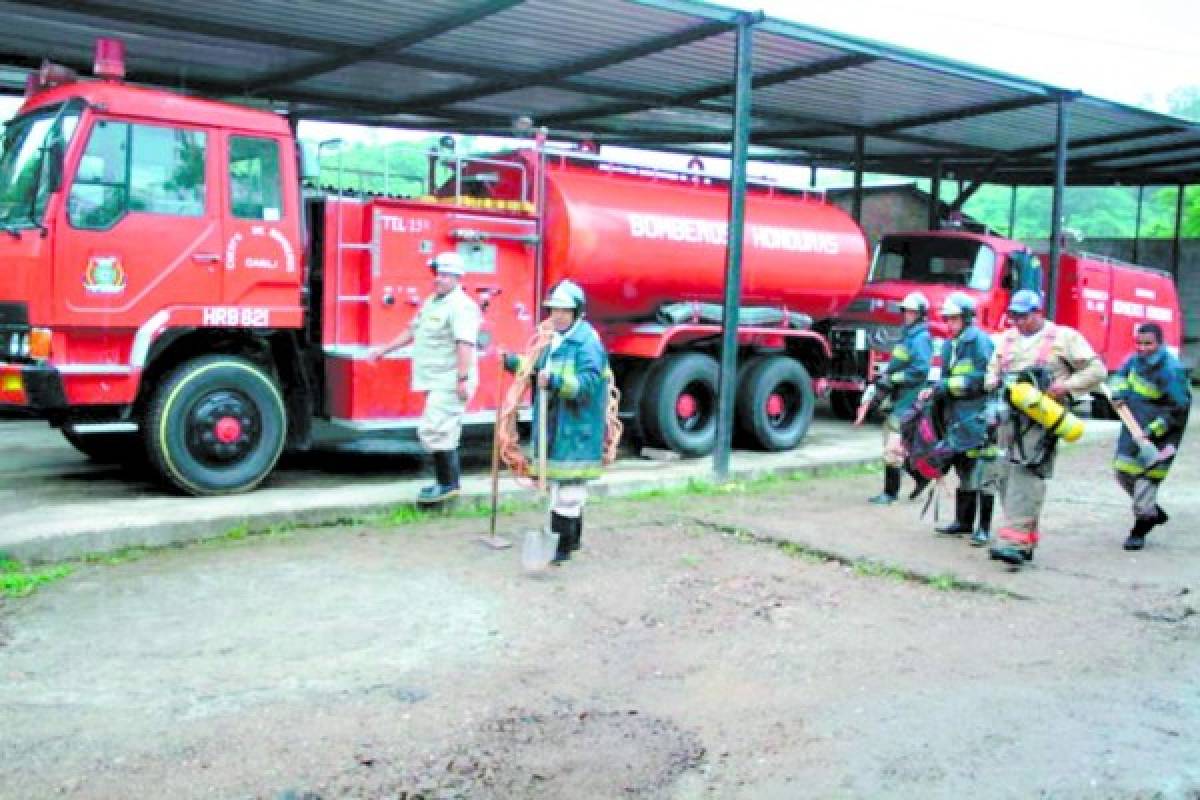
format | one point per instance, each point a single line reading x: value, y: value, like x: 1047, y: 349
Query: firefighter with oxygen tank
x: 1058, y: 362
x: 907, y: 369
x: 960, y: 391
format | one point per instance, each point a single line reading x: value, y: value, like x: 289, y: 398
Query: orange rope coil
x: 507, y: 435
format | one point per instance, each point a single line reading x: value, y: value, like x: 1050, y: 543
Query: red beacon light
x: 110, y: 60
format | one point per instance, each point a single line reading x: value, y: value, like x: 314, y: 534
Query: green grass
x: 17, y: 580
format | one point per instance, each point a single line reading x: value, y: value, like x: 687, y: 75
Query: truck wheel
x: 679, y: 409
x: 105, y: 448
x: 775, y: 403
x: 844, y: 403
x: 216, y: 426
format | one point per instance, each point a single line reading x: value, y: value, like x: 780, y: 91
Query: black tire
x: 679, y: 407
x: 632, y: 383
x: 844, y: 403
x: 217, y: 425
x: 106, y: 448
x: 775, y: 403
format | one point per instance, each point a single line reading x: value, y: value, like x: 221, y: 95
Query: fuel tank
x: 635, y: 242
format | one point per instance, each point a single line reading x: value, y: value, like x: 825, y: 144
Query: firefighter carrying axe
x: 1148, y: 454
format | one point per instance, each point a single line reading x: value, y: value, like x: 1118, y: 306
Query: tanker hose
x: 507, y: 435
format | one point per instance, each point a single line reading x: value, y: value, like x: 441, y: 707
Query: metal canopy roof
x: 636, y: 72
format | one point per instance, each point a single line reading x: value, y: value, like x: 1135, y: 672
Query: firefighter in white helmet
x: 960, y: 392
x: 443, y: 335
x: 907, y: 369
x: 573, y: 371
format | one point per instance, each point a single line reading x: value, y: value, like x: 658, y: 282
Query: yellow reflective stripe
x: 1158, y: 427
x: 1158, y: 473
x: 900, y: 353
x: 1128, y: 466
x: 1117, y: 383
x: 957, y: 384
x: 1144, y: 387
x: 965, y: 368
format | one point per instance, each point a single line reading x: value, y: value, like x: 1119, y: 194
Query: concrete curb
x: 110, y: 534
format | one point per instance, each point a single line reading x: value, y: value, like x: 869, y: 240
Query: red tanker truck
x: 1102, y: 298
x: 170, y: 291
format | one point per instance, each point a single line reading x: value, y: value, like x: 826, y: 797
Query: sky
x: 1134, y: 53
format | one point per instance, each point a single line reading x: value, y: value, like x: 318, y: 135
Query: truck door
x: 142, y: 227
x: 260, y: 260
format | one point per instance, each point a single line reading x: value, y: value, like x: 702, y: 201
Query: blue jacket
x: 1157, y: 392
x: 576, y: 406
x: 908, y: 366
x: 960, y: 389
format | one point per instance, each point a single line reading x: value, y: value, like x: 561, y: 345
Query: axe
x: 1148, y: 454
x: 864, y: 404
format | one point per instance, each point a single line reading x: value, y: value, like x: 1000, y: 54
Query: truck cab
x: 138, y: 224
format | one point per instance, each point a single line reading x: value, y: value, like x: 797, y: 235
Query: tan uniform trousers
x: 440, y: 427
x: 568, y: 498
x: 1023, y: 490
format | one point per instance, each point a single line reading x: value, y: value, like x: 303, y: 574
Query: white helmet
x: 915, y: 301
x: 566, y: 294
x: 958, y: 304
x: 448, y: 263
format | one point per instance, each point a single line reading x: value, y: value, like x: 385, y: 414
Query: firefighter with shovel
x: 1150, y: 393
x: 572, y: 374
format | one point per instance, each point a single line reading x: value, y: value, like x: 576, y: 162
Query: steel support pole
x: 1178, y: 232
x: 935, y: 195
x: 860, y: 149
x: 1137, y: 223
x: 1056, y: 206
x: 727, y: 378
x: 1012, y: 213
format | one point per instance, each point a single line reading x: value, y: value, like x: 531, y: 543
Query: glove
x: 511, y: 362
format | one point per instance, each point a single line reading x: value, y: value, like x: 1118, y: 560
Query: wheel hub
x: 224, y: 426
x: 686, y: 406
x: 775, y: 405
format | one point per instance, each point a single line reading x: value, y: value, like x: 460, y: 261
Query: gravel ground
x: 780, y: 641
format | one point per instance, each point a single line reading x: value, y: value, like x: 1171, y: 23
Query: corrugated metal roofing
x: 638, y: 72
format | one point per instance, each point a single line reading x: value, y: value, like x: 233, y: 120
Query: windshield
x: 23, y: 185
x: 935, y: 259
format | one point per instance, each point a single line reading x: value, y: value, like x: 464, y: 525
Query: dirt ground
x: 699, y: 647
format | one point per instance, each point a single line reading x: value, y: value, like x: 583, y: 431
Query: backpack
x: 928, y: 451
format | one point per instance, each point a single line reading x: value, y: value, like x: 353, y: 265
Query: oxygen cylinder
x: 1045, y: 411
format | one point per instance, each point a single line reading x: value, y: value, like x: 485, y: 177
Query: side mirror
x: 54, y: 166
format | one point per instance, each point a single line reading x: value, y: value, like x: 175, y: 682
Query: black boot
x: 446, y: 485
x: 964, y: 514
x: 920, y: 482
x: 1137, y: 536
x: 565, y: 527
x: 1160, y: 517
x: 577, y: 533
x: 983, y: 534
x: 891, y: 487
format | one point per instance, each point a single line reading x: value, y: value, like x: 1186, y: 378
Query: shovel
x: 539, y: 546
x: 493, y: 540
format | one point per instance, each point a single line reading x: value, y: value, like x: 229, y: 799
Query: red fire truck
x: 170, y: 291
x: 1102, y: 298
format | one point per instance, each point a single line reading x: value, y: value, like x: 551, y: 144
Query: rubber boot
x: 1137, y: 536
x: 964, y: 514
x: 446, y: 482
x: 565, y: 528
x: 577, y: 533
x: 983, y: 534
x: 1015, y: 548
x: 920, y: 482
x: 891, y: 487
